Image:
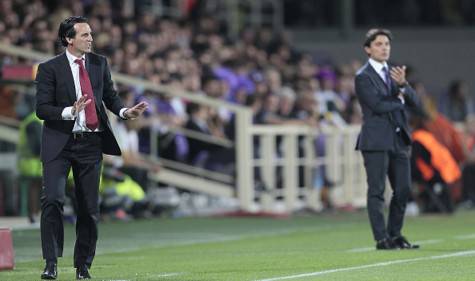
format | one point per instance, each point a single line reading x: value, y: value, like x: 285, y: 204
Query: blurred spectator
x: 442, y: 129
x: 331, y: 105
x: 202, y: 153
x: 434, y: 168
x: 287, y: 98
x: 456, y: 104
x: 468, y: 172
x: 29, y: 163
x: 133, y: 163
x: 8, y: 97
x: 121, y: 196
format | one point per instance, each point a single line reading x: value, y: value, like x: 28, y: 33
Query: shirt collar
x: 378, y: 66
x: 72, y: 58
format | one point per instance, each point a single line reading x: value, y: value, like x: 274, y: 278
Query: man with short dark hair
x: 384, y: 93
x: 72, y: 89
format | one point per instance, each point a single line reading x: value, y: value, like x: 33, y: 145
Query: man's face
x: 82, y: 41
x: 379, y: 49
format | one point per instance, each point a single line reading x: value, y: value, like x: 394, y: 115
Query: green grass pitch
x: 321, y: 247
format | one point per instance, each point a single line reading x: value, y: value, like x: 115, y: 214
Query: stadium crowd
x: 261, y: 69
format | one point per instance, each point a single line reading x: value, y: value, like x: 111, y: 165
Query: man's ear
x: 366, y: 49
x: 69, y: 40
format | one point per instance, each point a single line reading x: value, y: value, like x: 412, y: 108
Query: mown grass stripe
x: 379, y: 264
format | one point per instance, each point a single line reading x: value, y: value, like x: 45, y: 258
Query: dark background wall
x: 437, y: 55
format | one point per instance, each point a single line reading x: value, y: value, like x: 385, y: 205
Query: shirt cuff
x: 402, y: 90
x: 67, y: 113
x: 121, y: 113
x: 402, y: 99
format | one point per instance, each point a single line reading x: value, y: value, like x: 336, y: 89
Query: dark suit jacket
x: 382, y: 110
x: 55, y: 91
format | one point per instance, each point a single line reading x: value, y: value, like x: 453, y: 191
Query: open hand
x: 80, y: 104
x: 136, y: 110
x: 398, y: 74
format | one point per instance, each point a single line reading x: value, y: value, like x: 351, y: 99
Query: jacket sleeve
x: 367, y: 94
x: 411, y: 97
x: 46, y: 108
x: 110, y: 96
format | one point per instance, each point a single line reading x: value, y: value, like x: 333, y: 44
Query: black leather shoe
x: 385, y: 244
x: 50, y: 272
x: 82, y: 273
x: 402, y: 243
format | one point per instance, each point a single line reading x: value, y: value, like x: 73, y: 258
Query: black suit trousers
x: 395, y: 164
x: 84, y: 156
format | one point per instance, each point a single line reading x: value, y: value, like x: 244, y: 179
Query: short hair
x: 375, y: 32
x: 66, y: 28
x: 192, y: 108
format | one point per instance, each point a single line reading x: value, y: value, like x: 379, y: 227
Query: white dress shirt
x: 80, y: 117
x: 378, y: 66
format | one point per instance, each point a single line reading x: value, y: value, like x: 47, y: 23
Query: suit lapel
x: 394, y: 88
x: 68, y: 76
x: 381, y: 84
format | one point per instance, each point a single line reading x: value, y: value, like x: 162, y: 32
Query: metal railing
x: 293, y: 169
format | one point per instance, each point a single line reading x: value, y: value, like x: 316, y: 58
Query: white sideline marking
x: 360, y: 250
x: 379, y: 264
x: 152, y: 275
x: 205, y: 238
x: 368, y: 249
x: 465, y: 237
x: 168, y: 274
x: 163, y: 275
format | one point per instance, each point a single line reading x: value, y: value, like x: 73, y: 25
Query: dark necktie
x: 387, y: 79
x: 86, y: 89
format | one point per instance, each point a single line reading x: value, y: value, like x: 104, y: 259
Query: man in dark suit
x: 384, y: 94
x: 72, y: 89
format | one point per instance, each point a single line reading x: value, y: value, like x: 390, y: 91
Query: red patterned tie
x: 86, y: 89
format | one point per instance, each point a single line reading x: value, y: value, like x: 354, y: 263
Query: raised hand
x: 398, y: 74
x: 80, y: 104
x: 136, y: 110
